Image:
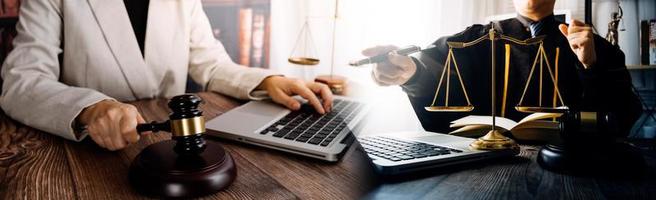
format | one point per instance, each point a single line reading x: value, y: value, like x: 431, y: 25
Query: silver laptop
x: 303, y: 132
x: 404, y: 152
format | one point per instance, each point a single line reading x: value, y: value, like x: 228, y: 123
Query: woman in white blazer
x: 75, y: 61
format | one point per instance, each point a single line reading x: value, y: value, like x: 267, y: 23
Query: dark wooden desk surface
x: 37, y: 165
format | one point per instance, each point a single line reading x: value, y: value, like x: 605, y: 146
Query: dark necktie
x: 536, y: 28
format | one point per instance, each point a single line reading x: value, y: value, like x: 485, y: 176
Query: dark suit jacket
x: 605, y: 86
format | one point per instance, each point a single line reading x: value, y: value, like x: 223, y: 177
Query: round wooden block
x: 607, y: 159
x: 158, y: 171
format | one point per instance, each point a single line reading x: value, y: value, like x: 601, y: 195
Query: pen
x: 383, y: 56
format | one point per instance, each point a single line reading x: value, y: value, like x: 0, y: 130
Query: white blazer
x: 100, y: 59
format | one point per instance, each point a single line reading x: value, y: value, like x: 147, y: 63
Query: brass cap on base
x: 336, y: 83
x: 494, y: 140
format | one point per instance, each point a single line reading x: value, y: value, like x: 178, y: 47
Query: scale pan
x: 449, y: 108
x: 303, y: 61
x: 530, y: 109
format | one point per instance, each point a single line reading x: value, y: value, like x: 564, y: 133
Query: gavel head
x: 187, y: 124
x: 579, y: 127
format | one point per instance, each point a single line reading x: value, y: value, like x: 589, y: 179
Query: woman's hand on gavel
x: 111, y: 124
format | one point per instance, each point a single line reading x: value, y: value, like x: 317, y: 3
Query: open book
x: 534, y: 127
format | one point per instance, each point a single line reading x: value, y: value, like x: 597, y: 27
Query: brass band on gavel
x: 188, y: 126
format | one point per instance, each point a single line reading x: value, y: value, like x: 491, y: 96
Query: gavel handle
x: 154, y: 127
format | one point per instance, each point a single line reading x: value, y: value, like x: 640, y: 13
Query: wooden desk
x: 37, y: 165
x: 34, y: 165
x: 518, y: 178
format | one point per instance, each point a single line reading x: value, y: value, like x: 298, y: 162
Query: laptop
x: 303, y: 132
x: 405, y: 152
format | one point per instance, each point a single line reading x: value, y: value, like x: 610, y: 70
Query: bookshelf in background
x: 243, y: 26
x: 8, y: 19
x: 644, y: 74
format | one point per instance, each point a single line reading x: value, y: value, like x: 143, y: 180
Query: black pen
x: 383, y: 56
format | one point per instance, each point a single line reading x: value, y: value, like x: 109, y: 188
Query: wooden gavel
x: 186, y: 166
x: 186, y: 123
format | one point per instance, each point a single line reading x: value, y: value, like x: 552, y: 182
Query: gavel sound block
x: 589, y: 146
x: 187, y: 165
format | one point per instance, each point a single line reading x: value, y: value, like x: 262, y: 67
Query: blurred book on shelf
x: 8, y: 18
x: 648, y: 42
x: 243, y: 26
x: 652, y: 42
x: 9, y: 8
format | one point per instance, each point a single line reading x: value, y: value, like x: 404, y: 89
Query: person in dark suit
x: 592, y: 75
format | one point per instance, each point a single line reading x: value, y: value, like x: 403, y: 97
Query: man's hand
x: 397, y: 70
x: 581, y: 40
x: 111, y: 124
x: 281, y: 89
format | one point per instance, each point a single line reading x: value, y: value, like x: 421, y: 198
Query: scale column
x: 494, y: 81
x: 493, y: 140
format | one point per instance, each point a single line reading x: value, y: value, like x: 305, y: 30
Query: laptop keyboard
x: 307, y: 126
x: 398, y: 150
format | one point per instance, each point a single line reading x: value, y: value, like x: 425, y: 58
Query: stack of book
x: 243, y: 26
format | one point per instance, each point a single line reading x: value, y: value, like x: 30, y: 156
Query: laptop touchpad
x: 261, y: 109
x: 247, y: 118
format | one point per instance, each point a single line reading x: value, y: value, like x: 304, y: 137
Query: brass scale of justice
x: 494, y: 140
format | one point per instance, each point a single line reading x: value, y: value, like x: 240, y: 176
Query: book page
x: 538, y: 124
x: 468, y: 128
x: 539, y: 116
x: 471, y: 131
x: 501, y: 122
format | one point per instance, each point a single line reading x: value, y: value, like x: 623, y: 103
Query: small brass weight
x: 186, y: 166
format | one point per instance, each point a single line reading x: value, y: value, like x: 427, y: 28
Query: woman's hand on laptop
x: 281, y: 89
x: 111, y: 124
